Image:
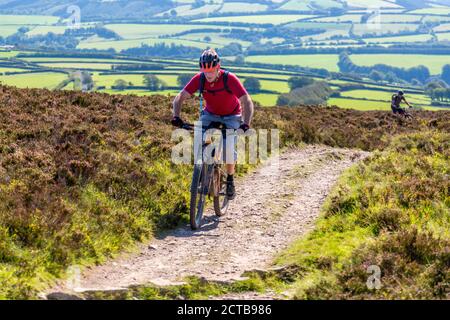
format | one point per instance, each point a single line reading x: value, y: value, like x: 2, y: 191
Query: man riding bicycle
x: 227, y: 102
x: 397, y: 100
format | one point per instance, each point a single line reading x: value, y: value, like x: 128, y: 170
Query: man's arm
x: 247, y: 108
x: 404, y: 99
x: 178, y: 102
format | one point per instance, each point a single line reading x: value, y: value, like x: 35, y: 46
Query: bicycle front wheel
x: 199, y: 190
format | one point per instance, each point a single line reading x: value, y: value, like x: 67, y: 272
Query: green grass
x: 261, y: 19
x: 77, y: 66
x: 240, y: 7
x: 43, y: 30
x: 355, y: 18
x: 79, y: 60
x: 8, y: 54
x: 263, y: 75
x: 266, y: 100
x: 433, y: 62
x: 141, y: 93
x: 139, y: 31
x: 209, y: 8
x: 34, y: 80
x: 390, y: 211
x: 136, y: 79
x: 385, y: 96
x: 442, y: 27
x: 444, y: 36
x: 438, y: 11
x: 281, y: 87
x: 327, y: 61
x: 320, y: 25
x: 108, y: 80
x: 192, y: 289
x: 359, y: 104
x: 367, y: 105
x: 436, y: 19
x: 119, y: 45
x: 216, y: 38
x: 27, y: 19
x: 328, y: 35
x: 376, y: 3
x: 2, y: 69
x: 7, y: 30
x: 402, y: 39
x: 385, y: 28
x: 295, y: 5
x: 386, y: 18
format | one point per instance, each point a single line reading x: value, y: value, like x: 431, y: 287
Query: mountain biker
x: 227, y: 102
x: 397, y: 100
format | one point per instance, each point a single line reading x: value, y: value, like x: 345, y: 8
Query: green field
x: 43, y: 30
x: 262, y: 75
x: 385, y: 28
x: 273, y: 19
x: 237, y: 7
x: 172, y: 93
x: 442, y: 27
x: 387, y: 18
x: 57, y: 60
x: 266, y: 100
x: 108, y: 80
x: 358, y: 104
x: 78, y: 66
x: 385, y: 96
x: 328, y: 35
x: 327, y: 61
x: 7, y: 30
x: 119, y: 45
x: 2, y: 69
x: 438, y: 11
x: 376, y: 3
x: 433, y: 62
x: 47, y: 80
x: 217, y: 39
x: 444, y: 36
x: 27, y: 20
x: 140, y: 31
x: 8, y: 54
x: 403, y: 39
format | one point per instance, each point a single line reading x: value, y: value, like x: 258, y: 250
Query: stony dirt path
x: 276, y: 204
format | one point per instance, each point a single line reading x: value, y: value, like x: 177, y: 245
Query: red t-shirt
x: 221, y: 103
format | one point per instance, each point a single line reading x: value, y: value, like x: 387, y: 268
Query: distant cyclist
x: 224, y: 95
x: 397, y: 99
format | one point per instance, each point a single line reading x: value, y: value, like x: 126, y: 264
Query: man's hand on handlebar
x: 244, y: 127
x: 177, y: 122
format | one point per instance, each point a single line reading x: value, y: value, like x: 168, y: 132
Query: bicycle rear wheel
x: 201, y: 179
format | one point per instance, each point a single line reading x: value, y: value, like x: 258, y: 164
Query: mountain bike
x: 209, y: 177
x: 405, y: 114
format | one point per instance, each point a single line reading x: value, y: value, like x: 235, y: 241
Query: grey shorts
x: 231, y: 122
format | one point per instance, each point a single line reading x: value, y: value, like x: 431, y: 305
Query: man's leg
x: 230, y: 168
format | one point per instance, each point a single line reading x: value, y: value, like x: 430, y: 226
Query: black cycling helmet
x: 209, y: 61
x: 400, y: 92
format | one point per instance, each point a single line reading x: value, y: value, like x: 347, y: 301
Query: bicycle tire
x: 199, y: 190
x: 220, y: 198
